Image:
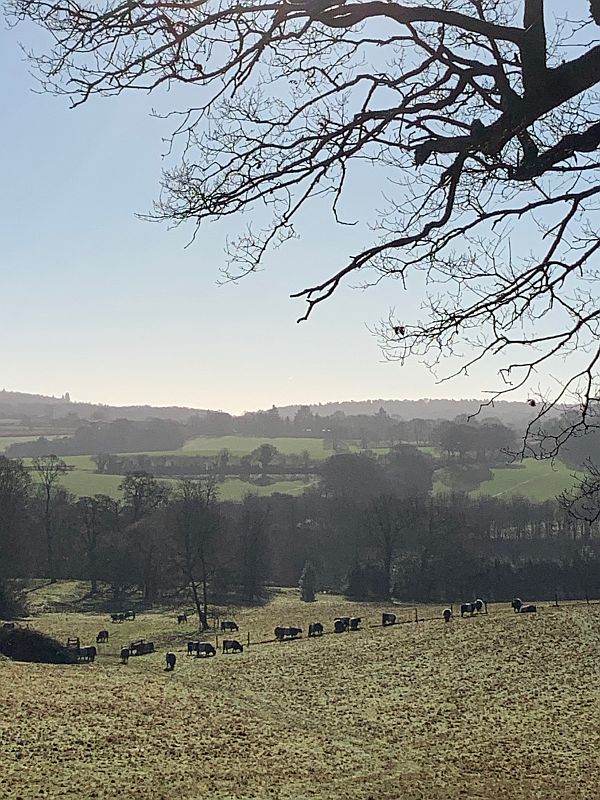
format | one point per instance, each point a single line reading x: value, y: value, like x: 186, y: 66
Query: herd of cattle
x: 207, y: 650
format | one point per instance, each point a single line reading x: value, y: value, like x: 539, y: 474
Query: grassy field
x: 6, y: 441
x: 84, y: 481
x: 494, y: 708
x: 537, y: 480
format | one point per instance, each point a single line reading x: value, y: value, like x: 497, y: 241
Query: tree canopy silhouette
x: 482, y: 114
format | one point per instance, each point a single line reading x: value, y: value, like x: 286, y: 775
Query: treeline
x: 121, y: 436
x: 464, y: 440
x: 369, y: 528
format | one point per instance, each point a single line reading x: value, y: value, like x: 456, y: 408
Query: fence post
x: 248, y: 638
x: 416, y: 615
x: 556, y: 599
x: 485, y: 606
x: 216, y: 641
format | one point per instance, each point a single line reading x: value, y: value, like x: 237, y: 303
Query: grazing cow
x: 171, y: 660
x: 205, y: 649
x: 229, y: 625
x: 129, y: 615
x: 87, y: 654
x: 355, y: 623
x: 102, y: 637
x: 181, y: 618
x: 388, y: 619
x: 232, y: 646
x: 120, y: 617
x: 479, y: 604
x: 192, y: 648
x: 520, y: 607
x: 447, y: 614
x: 282, y: 633
x: 315, y: 629
x: 124, y: 655
x: 341, y: 624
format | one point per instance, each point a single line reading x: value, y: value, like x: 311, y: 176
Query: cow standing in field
x: 102, y: 637
x: 124, y: 655
x: 447, y: 614
x: 354, y: 623
x: 87, y: 654
x: 341, y: 624
x: 205, y: 649
x: 315, y: 629
x: 469, y: 608
x: 283, y: 633
x: 171, y: 660
x: 232, y: 646
x: 229, y: 625
x: 388, y: 619
x: 182, y: 618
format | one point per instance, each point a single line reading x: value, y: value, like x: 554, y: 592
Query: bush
x: 27, y: 644
x: 12, y: 601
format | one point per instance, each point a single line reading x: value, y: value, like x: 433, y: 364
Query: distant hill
x: 516, y: 414
x: 16, y: 405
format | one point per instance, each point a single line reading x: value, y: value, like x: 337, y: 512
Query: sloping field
x: 537, y: 480
x: 498, y: 707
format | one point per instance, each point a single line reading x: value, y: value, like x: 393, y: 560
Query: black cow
x: 171, y: 660
x: 181, y: 618
x: 468, y: 608
x: 354, y: 624
x: 192, y: 648
x: 87, y: 654
x: 229, y: 625
x: 232, y: 646
x: 341, y: 624
x: 447, y: 614
x: 479, y: 604
x: 315, y: 629
x: 388, y: 619
x: 102, y: 637
x: 124, y: 655
x: 282, y: 633
x: 120, y: 617
x: 205, y: 649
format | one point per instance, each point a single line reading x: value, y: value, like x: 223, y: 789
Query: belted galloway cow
x: 171, y: 660
x: 232, y: 646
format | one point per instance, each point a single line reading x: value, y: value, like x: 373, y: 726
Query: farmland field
x: 537, y: 480
x: 498, y: 707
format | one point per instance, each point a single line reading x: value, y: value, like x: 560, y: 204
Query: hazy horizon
x: 239, y: 409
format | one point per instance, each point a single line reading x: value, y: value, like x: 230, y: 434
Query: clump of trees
x: 308, y: 583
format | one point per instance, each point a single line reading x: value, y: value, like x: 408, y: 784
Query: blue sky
x: 113, y: 309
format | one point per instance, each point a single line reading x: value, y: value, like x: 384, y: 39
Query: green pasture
x: 86, y: 482
x: 243, y: 445
x: 536, y: 480
x: 6, y: 441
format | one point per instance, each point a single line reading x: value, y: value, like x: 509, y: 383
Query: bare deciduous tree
x: 481, y: 114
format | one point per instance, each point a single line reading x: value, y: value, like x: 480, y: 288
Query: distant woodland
x: 368, y: 522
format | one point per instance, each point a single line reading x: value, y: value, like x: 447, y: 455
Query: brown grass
x: 504, y: 706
